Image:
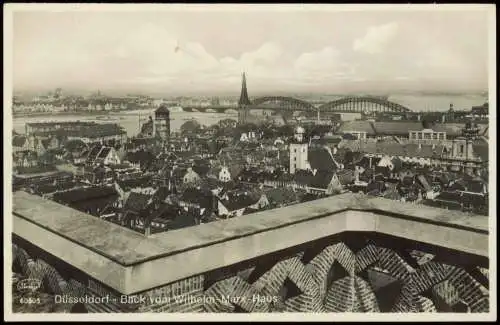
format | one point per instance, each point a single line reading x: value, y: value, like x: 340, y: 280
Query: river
x: 129, y: 120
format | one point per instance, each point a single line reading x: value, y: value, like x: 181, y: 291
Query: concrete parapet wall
x: 174, y: 271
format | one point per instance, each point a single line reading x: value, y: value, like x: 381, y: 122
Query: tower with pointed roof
x: 244, y: 102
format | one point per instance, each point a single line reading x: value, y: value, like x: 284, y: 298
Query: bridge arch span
x: 289, y: 103
x: 363, y: 104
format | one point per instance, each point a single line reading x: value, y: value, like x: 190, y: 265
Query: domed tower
x: 463, y: 146
x: 162, y: 124
x: 298, y: 151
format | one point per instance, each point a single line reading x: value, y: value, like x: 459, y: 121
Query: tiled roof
x: 18, y: 140
x: 423, y: 181
x: 50, y: 188
x: 476, y: 186
x: 140, y: 157
x: 481, y: 151
x: 161, y: 193
x: 322, y: 179
x: 396, y: 149
x: 281, y: 196
x: 197, y: 196
x: 84, y: 194
x: 93, y: 153
x: 320, y: 159
x: 137, y: 202
x: 396, y: 128
x: 88, y: 130
x: 127, y: 184
x: 485, y: 131
x: 239, y: 202
x: 45, y: 143
x: 359, y: 126
x: 104, y: 152
x: 235, y: 169
x: 475, y: 199
x: 449, y: 196
x: 75, y: 145
x: 345, y: 176
x: 210, y: 183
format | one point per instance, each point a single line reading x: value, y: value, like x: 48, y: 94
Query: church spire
x: 244, y: 94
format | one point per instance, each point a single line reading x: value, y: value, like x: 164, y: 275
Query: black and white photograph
x: 249, y: 162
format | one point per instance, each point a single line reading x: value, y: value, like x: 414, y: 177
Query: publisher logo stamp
x: 29, y: 285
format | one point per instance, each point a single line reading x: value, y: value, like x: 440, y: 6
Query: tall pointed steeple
x: 244, y: 94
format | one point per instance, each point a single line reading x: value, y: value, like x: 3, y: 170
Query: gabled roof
x: 239, y: 202
x: 320, y: 159
x: 104, y: 152
x: 321, y: 180
x: 423, y: 181
x: 93, y: 153
x: 137, y: 202
x: 281, y: 195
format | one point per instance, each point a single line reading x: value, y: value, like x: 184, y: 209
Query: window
x: 461, y: 149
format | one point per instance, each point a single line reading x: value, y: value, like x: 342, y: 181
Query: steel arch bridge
x: 344, y: 105
x: 284, y: 103
x: 362, y: 104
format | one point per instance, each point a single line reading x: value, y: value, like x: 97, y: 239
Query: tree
x: 285, y: 131
x: 191, y: 126
x: 348, y: 157
x: 269, y: 133
x: 428, y: 122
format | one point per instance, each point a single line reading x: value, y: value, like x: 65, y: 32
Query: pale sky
x: 297, y: 51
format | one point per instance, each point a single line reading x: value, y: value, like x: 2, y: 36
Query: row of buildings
x: 57, y: 102
x: 153, y: 184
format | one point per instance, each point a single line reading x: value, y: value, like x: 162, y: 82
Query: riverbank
x: 69, y: 113
x: 130, y: 120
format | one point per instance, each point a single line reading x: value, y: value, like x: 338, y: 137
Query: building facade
x: 426, y: 134
x: 298, y: 151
